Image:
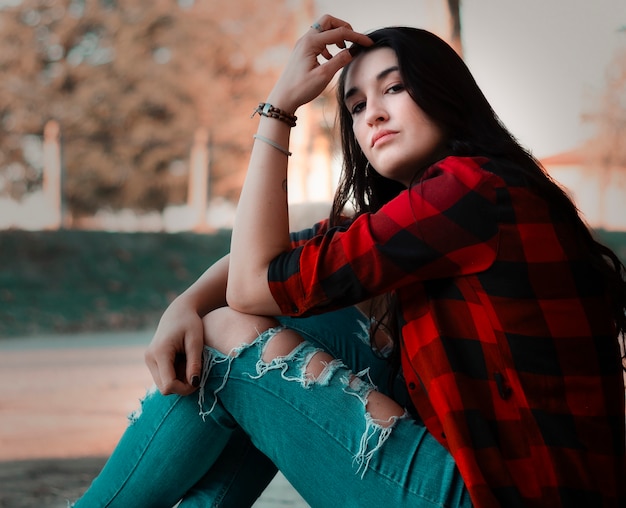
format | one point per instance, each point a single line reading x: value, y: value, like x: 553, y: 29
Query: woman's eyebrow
x: 380, y: 76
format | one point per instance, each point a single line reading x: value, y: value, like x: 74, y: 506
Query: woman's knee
x: 226, y: 329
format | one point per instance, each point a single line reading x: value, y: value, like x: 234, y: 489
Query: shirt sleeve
x: 444, y: 226
x: 301, y: 237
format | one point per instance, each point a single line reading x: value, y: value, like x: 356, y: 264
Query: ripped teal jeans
x: 222, y: 446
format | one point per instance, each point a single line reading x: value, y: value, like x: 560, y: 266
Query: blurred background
x: 124, y: 135
x: 134, y: 117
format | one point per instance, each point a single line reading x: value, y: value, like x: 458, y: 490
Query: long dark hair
x: 443, y: 87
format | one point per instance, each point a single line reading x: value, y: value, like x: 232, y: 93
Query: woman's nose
x: 375, y: 112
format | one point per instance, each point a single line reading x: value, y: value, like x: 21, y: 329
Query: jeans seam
x: 341, y: 444
x: 143, y: 452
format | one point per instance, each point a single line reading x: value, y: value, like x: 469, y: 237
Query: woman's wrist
x: 199, y: 300
x: 269, y: 110
x: 282, y: 101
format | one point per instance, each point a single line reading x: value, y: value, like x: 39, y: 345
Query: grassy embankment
x: 70, y: 281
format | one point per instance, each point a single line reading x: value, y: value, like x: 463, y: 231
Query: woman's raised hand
x: 304, y: 77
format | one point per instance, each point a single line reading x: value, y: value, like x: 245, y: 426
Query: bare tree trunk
x: 454, y: 8
x: 197, y: 194
x: 52, y: 189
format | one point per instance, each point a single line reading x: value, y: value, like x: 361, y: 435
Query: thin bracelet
x: 272, y: 143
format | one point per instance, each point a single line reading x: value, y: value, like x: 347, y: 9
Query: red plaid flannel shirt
x: 507, y: 339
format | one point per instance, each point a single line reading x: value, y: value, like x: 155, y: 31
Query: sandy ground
x: 63, y: 407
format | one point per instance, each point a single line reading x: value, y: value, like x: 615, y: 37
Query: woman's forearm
x: 208, y: 292
x: 261, y: 230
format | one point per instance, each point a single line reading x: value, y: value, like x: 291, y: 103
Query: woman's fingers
x: 329, y: 25
x: 326, y: 54
x: 328, y: 22
x: 194, y: 346
x: 161, y: 363
x: 174, y: 356
x: 338, y: 37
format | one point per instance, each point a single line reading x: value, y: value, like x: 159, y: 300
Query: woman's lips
x: 381, y: 136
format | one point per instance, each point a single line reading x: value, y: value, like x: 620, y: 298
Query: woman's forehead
x: 369, y: 66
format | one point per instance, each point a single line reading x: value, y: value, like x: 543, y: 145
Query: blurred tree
x: 607, y: 148
x: 129, y: 83
x: 609, y: 144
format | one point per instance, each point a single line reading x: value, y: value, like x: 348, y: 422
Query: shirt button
x: 411, y: 385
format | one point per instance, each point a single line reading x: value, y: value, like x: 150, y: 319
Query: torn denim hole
x: 329, y: 370
x: 357, y: 387
x: 297, y: 354
x: 212, y: 357
x: 136, y: 414
x: 299, y: 358
x: 365, y: 336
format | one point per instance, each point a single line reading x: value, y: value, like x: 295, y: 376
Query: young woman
x: 494, y: 375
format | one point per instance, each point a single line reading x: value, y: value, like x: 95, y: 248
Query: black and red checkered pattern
x: 508, y: 342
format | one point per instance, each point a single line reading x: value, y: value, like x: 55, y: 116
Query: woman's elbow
x: 250, y: 298
x: 237, y: 299
x: 238, y: 304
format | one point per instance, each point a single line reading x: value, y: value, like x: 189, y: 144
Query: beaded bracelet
x: 265, y: 109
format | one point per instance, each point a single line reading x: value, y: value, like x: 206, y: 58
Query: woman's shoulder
x: 498, y: 172
x: 470, y: 172
x: 458, y: 163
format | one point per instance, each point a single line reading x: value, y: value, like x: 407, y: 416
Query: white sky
x: 541, y: 63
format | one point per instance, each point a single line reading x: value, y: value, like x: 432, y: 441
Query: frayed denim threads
x: 293, y: 368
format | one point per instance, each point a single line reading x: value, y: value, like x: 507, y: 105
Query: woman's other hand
x: 174, y: 355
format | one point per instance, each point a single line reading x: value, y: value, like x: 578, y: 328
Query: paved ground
x: 63, y: 407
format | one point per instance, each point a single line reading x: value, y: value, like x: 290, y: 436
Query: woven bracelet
x: 265, y: 109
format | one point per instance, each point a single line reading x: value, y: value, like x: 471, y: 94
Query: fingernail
x: 195, y: 381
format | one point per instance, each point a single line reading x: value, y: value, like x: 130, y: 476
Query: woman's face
x: 393, y: 132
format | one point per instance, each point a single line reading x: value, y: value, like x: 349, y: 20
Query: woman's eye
x: 357, y: 108
x: 395, y: 88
